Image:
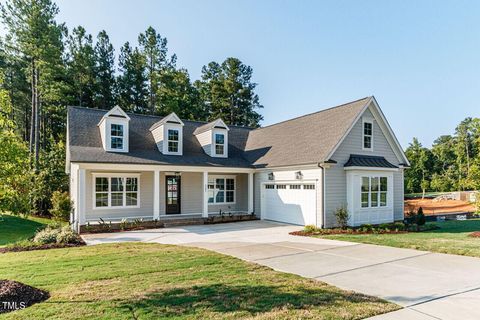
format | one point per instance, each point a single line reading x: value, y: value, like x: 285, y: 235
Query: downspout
x: 320, y: 165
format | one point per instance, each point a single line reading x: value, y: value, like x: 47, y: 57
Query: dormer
x: 168, y: 135
x: 114, y: 130
x: 213, y: 137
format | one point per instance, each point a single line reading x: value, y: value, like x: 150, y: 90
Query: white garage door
x: 290, y: 202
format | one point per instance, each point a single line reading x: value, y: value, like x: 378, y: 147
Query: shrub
x: 46, y: 236
x: 67, y: 236
x: 342, y: 216
x: 420, y: 217
x: 61, y: 206
x: 310, y: 228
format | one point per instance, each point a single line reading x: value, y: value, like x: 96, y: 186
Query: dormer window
x: 367, y: 135
x: 116, y: 136
x: 114, y: 130
x: 168, y: 135
x: 219, y: 144
x: 173, y: 140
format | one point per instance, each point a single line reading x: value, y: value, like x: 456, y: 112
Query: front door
x: 172, y: 194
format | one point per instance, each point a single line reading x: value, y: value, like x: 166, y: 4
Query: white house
x: 127, y: 166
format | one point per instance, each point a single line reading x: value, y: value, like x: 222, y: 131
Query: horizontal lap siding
x: 335, y: 177
x: 241, y: 194
x: 146, y: 200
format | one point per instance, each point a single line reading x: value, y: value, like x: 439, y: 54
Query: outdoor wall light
x: 299, y: 175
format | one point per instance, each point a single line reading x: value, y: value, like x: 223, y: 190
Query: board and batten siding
x: 146, y: 200
x: 335, y: 177
x: 281, y: 176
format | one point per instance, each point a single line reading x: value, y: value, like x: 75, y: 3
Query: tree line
x: 44, y: 67
x: 451, y: 164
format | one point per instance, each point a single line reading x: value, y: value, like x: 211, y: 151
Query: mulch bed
x: 40, y: 247
x: 15, y: 296
x: 339, y: 231
x: 475, y: 234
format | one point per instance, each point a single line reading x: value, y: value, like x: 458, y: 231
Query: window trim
x: 364, y: 121
x: 224, y: 177
x: 109, y: 192
x: 379, y: 206
x: 177, y: 141
x: 219, y: 144
x: 165, y: 140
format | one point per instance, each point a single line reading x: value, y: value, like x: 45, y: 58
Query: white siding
x: 146, y: 200
x: 205, y: 140
x: 335, y: 177
x: 289, y: 175
x: 158, y: 137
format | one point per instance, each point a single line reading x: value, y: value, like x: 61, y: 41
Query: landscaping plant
x: 342, y: 216
x: 61, y: 206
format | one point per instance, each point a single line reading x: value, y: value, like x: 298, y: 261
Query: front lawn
x: 152, y: 281
x: 15, y: 228
x: 452, y: 237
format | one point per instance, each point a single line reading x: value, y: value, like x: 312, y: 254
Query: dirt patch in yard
x: 15, y: 296
x: 434, y: 207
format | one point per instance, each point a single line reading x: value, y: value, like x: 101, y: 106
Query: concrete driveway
x: 429, y: 285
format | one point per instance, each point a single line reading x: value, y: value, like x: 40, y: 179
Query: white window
x: 374, y: 192
x: 269, y: 186
x: 221, y: 190
x: 173, y: 140
x: 367, y: 135
x: 281, y: 186
x: 295, y: 186
x: 116, y: 191
x: 309, y: 186
x: 116, y: 136
x: 219, y: 144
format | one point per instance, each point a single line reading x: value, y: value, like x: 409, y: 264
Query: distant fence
x: 469, y: 196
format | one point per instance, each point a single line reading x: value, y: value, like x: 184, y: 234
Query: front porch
x: 104, y: 193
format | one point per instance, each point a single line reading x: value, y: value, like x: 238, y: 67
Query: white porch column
x: 250, y: 193
x: 205, y: 194
x: 81, y: 197
x: 156, y: 194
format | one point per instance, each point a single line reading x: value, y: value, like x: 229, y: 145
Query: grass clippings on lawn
x: 153, y: 281
x: 451, y: 237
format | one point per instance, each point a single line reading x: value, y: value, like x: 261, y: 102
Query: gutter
x: 324, y: 165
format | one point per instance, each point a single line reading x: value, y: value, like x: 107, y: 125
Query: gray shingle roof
x: 357, y: 160
x: 303, y: 140
x: 85, y: 143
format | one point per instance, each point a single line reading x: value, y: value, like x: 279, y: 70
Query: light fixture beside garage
x: 299, y: 175
x: 271, y: 176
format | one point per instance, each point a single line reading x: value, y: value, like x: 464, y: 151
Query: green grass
x: 153, y: 281
x: 452, y: 237
x: 15, y: 228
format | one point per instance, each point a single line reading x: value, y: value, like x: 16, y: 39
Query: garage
x: 293, y: 203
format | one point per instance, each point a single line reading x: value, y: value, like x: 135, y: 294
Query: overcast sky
x: 421, y: 59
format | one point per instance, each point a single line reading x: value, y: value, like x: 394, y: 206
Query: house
x: 129, y: 166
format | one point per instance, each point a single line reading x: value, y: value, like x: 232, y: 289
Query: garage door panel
x: 290, y: 204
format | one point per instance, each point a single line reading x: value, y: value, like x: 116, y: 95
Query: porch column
x: 250, y: 193
x: 156, y: 194
x: 205, y: 195
x: 81, y: 197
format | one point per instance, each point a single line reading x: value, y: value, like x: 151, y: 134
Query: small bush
x: 342, y: 216
x: 61, y: 206
x: 420, y: 217
x: 67, y: 236
x: 46, y: 236
x: 310, y: 228
x: 56, y: 234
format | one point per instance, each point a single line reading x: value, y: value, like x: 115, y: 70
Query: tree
x: 227, y: 92
x: 177, y: 94
x: 154, y: 49
x: 417, y: 177
x: 15, y: 175
x: 82, y: 67
x: 132, y: 82
x: 104, y: 72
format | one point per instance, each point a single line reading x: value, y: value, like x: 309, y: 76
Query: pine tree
x: 228, y: 92
x: 132, y: 82
x: 81, y: 67
x: 104, y: 72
